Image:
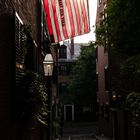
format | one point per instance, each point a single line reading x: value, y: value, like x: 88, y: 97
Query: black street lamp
x: 48, y: 72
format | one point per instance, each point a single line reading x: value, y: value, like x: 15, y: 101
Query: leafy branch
x: 32, y: 98
x: 133, y: 105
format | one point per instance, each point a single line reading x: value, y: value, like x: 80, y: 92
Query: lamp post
x: 48, y: 71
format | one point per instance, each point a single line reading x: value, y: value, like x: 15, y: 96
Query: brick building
x: 67, y: 54
x: 102, y: 72
x: 113, y: 120
x: 13, y: 15
x: 65, y: 61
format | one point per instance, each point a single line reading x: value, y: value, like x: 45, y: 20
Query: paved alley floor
x: 79, y: 137
x: 85, y: 128
x: 81, y: 131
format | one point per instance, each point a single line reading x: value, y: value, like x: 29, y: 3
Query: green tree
x: 83, y: 81
x: 122, y: 31
x: 119, y: 31
x: 133, y: 105
x: 31, y: 98
x: 123, y: 21
x: 31, y: 94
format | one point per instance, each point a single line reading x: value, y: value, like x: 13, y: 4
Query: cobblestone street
x: 79, y: 137
x: 81, y: 131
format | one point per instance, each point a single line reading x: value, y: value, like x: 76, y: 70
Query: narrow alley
x: 69, y: 70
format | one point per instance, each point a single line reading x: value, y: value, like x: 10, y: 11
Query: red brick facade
x: 30, y: 14
x: 101, y: 67
x: 117, y: 125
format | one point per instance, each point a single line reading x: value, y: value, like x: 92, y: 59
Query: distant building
x: 67, y: 54
x: 65, y: 60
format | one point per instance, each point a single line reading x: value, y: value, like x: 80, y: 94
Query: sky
x: 90, y: 36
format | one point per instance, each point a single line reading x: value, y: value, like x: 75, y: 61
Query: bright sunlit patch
x: 91, y: 35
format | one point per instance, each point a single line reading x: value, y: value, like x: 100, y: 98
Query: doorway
x: 68, y: 113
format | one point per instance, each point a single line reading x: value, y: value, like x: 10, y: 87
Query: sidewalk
x: 101, y: 137
x: 84, y: 130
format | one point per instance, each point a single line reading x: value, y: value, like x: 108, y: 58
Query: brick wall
x: 6, y: 70
x: 29, y: 12
x: 105, y: 119
x: 123, y: 127
x: 100, y: 8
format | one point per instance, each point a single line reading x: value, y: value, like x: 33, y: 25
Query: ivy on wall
x: 31, y: 92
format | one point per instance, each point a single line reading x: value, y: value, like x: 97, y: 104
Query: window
x: 19, y: 37
x: 96, y: 53
x: 106, y: 79
x: 63, y: 88
x: 63, y: 70
x: 96, y: 78
x: 99, y: 2
x: 62, y: 51
x: 105, y: 47
x: 107, y: 112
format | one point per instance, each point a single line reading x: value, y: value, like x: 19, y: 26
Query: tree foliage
x: 133, y: 104
x: 31, y: 98
x: 31, y: 93
x: 83, y: 81
x: 122, y: 31
x: 119, y: 31
x: 130, y: 74
x: 123, y: 19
